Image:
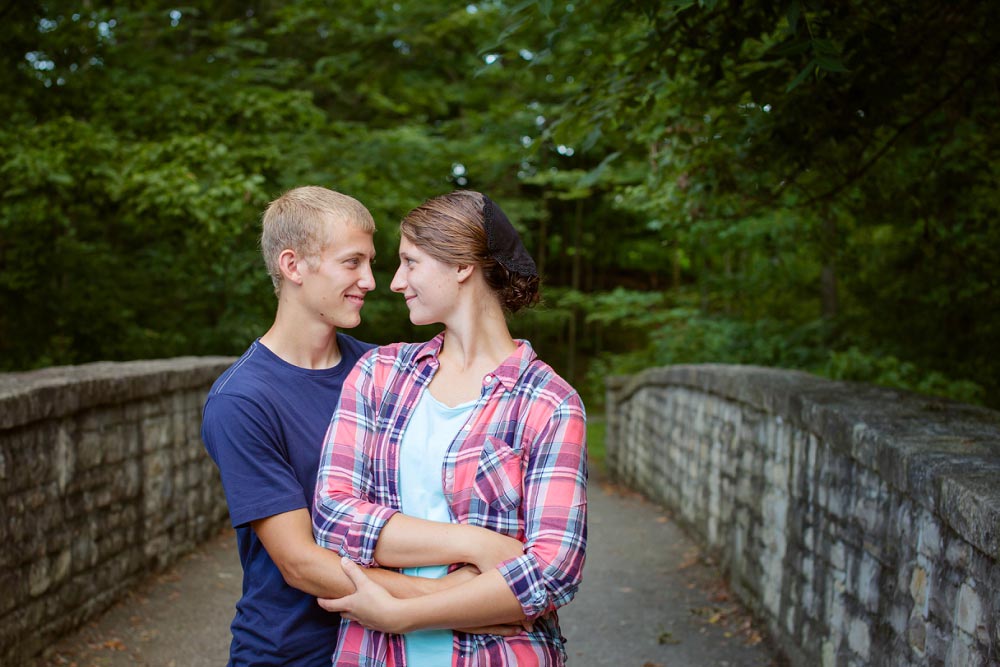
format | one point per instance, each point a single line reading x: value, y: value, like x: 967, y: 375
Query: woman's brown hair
x: 450, y: 228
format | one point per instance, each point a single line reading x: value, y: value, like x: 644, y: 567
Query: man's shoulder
x: 247, y: 376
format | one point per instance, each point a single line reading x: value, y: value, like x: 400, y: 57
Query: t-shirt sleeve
x: 257, y: 477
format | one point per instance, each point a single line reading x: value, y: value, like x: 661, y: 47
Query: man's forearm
x: 312, y: 569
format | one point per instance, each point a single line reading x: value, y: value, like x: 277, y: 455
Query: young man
x: 264, y: 422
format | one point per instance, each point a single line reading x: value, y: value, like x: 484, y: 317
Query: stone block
x: 963, y: 652
x: 929, y: 536
x: 919, y: 586
x: 828, y: 654
x: 898, y: 620
x: 917, y: 633
x: 156, y: 433
x: 867, y: 583
x: 958, y: 554
x: 838, y: 556
x: 969, y: 612
x: 936, y: 644
x: 90, y: 448
x: 943, y: 595
x: 84, y: 552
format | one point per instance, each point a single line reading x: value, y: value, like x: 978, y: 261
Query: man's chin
x: 347, y: 322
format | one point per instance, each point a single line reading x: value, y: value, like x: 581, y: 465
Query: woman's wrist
x: 407, y: 614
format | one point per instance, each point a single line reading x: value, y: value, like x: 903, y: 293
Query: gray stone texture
x: 860, y: 522
x: 103, y: 479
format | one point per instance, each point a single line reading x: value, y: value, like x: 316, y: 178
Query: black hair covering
x: 504, y: 243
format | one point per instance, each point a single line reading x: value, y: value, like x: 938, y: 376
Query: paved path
x: 649, y: 599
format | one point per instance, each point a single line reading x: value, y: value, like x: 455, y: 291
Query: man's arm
x: 312, y: 569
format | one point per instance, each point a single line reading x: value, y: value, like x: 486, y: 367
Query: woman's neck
x: 476, y: 342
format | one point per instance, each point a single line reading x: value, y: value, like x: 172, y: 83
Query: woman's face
x: 430, y: 287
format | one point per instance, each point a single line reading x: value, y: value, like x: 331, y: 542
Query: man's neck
x: 306, y: 344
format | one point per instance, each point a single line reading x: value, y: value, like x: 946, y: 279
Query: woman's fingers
x: 357, y: 576
x: 354, y: 572
x: 335, y: 604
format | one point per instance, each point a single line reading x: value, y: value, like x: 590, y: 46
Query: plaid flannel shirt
x: 518, y: 467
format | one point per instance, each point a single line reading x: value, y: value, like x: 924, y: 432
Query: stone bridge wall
x: 103, y: 479
x: 862, y: 524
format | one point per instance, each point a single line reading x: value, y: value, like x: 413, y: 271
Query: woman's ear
x: 464, y: 271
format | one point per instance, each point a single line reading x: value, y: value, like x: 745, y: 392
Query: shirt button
x: 488, y: 379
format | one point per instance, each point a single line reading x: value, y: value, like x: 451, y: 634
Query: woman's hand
x: 370, y: 605
x: 375, y: 608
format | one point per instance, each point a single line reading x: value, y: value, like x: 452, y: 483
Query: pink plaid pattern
x: 519, y: 467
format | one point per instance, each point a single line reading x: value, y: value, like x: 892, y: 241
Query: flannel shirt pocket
x: 499, y: 477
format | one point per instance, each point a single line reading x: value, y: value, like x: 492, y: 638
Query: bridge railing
x: 862, y: 524
x: 103, y: 479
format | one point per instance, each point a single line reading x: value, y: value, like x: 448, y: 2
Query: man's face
x: 334, y: 285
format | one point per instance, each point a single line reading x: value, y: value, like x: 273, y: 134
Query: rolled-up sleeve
x: 549, y: 573
x: 343, y: 519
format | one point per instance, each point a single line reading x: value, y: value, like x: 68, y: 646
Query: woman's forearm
x: 486, y: 600
x: 409, y: 542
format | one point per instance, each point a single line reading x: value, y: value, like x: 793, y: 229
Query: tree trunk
x: 828, y: 275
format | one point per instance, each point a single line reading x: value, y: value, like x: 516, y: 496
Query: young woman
x: 463, y: 449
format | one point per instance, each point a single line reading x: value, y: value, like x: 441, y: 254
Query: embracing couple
x: 418, y: 504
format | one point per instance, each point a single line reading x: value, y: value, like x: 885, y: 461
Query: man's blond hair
x: 299, y: 220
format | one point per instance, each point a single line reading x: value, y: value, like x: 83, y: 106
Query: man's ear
x: 290, y: 265
x: 464, y: 271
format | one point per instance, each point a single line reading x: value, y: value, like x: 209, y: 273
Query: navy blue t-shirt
x: 264, y: 423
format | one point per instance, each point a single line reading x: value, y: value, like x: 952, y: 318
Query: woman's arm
x: 485, y: 601
x: 549, y: 573
x: 406, y: 541
x: 347, y: 522
x: 347, y: 515
x: 546, y: 576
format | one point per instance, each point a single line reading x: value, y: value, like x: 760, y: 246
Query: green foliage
x: 855, y: 365
x: 793, y: 184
